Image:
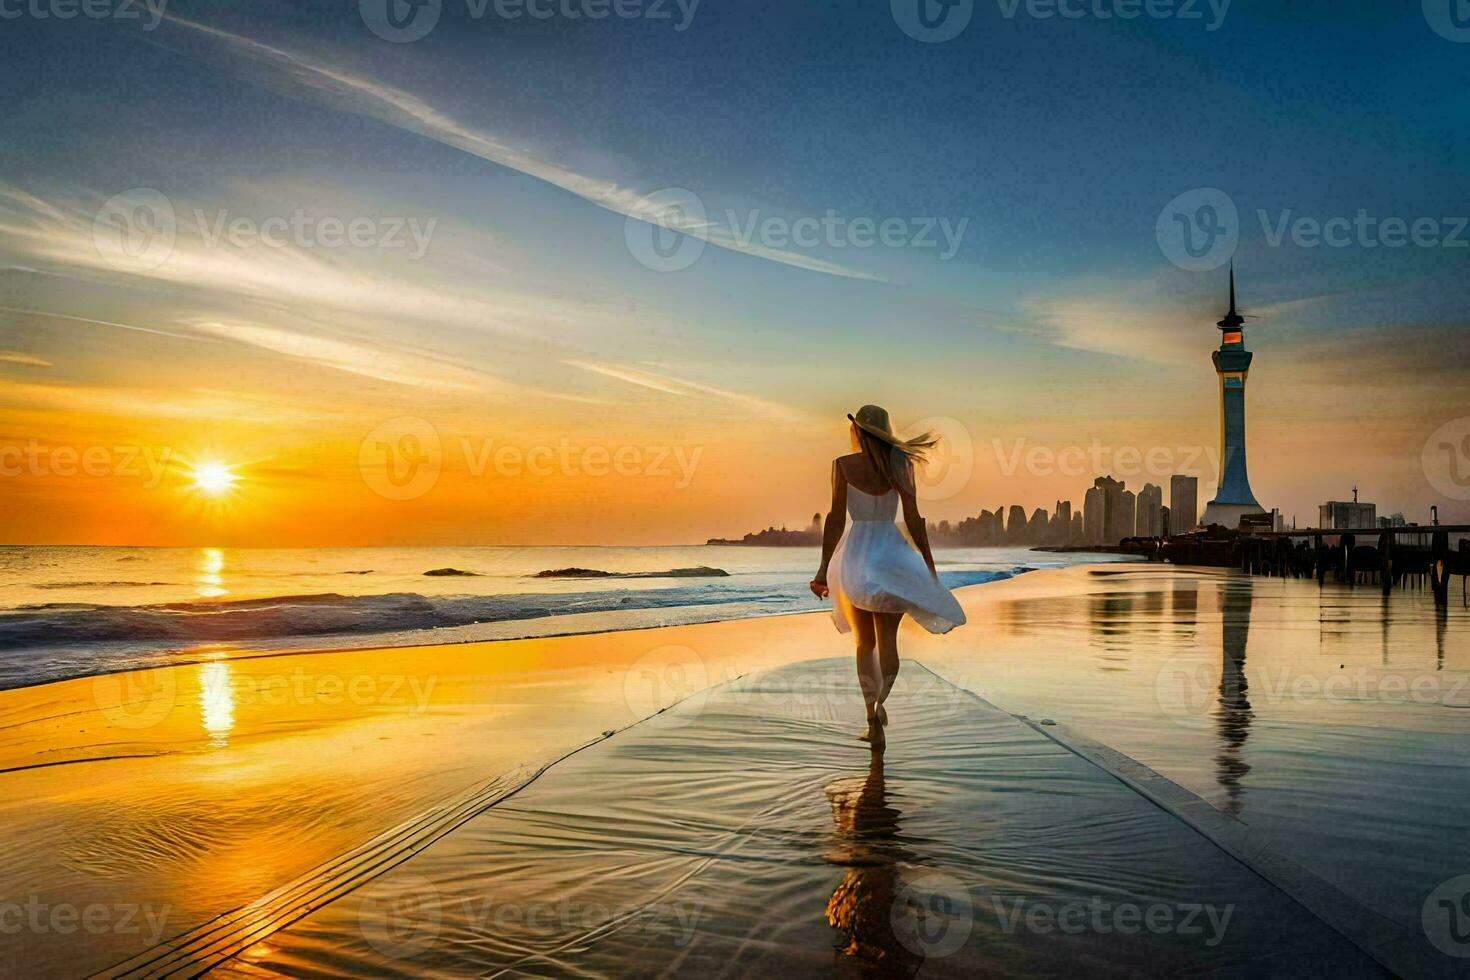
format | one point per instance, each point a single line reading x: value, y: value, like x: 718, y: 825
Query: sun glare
x: 213, y: 479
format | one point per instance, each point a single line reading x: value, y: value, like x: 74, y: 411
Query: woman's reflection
x: 868, y: 845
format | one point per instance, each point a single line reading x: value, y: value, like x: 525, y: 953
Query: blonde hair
x: 894, y: 461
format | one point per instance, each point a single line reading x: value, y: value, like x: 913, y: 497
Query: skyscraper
x: 1114, y: 504
x: 1233, y: 498
x: 1094, y: 515
x: 1183, y: 503
x: 1016, y: 524
x: 1150, y: 508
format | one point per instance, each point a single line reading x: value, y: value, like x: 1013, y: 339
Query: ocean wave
x: 53, y: 624
x: 96, y: 585
x: 175, y: 625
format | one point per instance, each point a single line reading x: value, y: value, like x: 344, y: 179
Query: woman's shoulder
x: 852, y: 462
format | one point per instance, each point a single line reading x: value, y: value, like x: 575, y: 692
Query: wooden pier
x: 1375, y: 555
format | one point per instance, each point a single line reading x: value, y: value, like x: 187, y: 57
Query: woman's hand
x: 819, y: 587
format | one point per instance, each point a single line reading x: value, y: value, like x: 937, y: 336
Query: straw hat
x: 874, y: 421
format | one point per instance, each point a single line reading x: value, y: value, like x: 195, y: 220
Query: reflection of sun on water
x: 210, y: 583
x: 216, y: 702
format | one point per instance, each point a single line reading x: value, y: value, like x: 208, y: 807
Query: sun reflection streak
x: 210, y: 581
x: 216, y: 702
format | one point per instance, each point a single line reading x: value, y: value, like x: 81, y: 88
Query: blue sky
x: 1053, y: 142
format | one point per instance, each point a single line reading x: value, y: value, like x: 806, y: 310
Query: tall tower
x: 1233, y: 498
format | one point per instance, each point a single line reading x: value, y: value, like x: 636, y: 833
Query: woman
x: 872, y: 574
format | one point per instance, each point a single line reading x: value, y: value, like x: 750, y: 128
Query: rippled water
x: 1335, y: 718
x: 66, y: 612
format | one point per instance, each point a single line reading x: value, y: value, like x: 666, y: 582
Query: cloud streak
x: 101, y: 323
x: 408, y: 112
x: 678, y: 387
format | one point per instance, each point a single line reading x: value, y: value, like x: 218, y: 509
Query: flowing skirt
x: 875, y: 568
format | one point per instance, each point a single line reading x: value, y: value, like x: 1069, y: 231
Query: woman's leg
x: 870, y: 678
x: 887, y: 630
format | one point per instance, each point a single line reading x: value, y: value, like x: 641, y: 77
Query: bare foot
x: 874, y: 734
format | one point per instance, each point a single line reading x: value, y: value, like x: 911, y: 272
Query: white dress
x: 875, y: 568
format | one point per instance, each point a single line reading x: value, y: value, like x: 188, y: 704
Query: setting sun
x: 213, y: 479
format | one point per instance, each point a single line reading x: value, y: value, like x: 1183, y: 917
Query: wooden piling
x: 1439, y: 567
x: 1385, y: 561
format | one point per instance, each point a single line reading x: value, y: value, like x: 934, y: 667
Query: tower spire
x: 1233, y: 321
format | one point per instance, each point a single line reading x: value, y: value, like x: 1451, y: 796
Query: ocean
x: 74, y: 611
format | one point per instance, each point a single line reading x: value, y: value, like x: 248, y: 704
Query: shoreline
x: 216, y: 651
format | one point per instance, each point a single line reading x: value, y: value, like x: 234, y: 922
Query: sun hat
x: 874, y: 421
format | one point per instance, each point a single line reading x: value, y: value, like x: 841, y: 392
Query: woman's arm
x: 918, y: 530
x: 832, y: 530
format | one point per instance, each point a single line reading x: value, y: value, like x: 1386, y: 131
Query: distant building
x: 1016, y: 524
x: 1150, y: 512
x: 1078, y: 536
x: 992, y: 526
x: 1183, y: 503
x: 1256, y: 523
x: 1393, y: 520
x: 1094, y: 516
x: 1164, y: 518
x: 1059, y: 531
x: 1341, y: 515
x: 1126, y: 517
x: 1115, y: 526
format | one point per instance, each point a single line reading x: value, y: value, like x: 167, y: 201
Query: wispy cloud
x: 332, y: 309
x: 678, y: 387
x: 408, y: 112
x: 348, y: 356
x: 128, y: 405
x: 24, y: 360
x: 1133, y: 320
x: 99, y: 323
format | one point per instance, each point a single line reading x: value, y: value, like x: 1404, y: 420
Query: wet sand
x: 154, y: 802
x: 747, y: 833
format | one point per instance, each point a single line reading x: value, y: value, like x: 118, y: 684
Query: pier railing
x: 1388, y: 561
x: 1317, y: 532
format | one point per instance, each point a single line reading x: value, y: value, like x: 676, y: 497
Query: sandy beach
x: 256, y: 802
